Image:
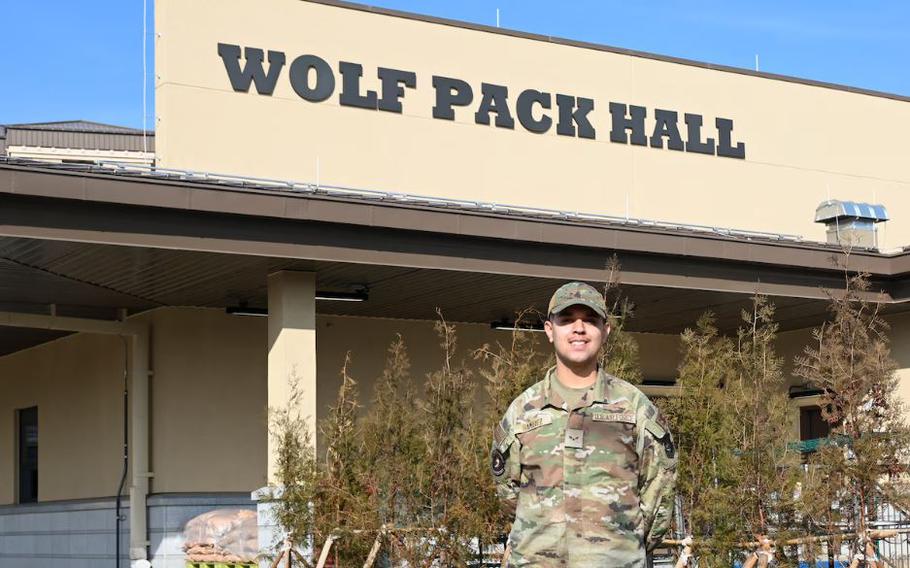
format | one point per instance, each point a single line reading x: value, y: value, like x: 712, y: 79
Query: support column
x: 292, y: 346
x: 292, y: 354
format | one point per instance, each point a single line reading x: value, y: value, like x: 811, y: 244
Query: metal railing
x: 894, y: 550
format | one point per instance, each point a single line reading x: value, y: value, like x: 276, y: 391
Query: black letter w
x: 252, y: 71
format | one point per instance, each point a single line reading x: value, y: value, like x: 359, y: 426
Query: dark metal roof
x: 84, y: 126
x: 608, y: 48
x: 93, y: 241
x: 393, y: 199
x: 340, y: 217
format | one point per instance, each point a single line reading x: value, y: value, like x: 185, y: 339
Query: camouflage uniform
x: 592, y: 486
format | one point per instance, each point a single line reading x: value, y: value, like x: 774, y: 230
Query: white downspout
x: 139, y: 443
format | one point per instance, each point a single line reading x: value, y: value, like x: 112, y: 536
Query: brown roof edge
x: 213, y: 197
x: 606, y: 48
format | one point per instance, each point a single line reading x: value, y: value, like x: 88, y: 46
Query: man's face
x: 576, y: 333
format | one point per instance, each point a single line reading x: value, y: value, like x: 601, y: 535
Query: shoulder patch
x: 497, y: 463
x: 500, y: 433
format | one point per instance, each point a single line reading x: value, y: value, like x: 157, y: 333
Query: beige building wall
x: 803, y: 143
x: 77, y: 384
x: 900, y: 350
x: 208, y: 395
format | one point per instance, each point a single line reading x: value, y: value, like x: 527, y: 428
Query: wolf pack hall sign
x: 314, y: 81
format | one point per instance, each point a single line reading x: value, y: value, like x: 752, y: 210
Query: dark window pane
x: 28, y: 455
x: 811, y: 423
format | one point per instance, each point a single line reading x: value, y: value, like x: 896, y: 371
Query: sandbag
x: 222, y: 535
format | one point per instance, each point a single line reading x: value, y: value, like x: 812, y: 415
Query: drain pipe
x: 126, y: 448
x: 139, y: 541
x: 137, y: 336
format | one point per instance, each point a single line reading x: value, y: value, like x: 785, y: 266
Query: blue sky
x: 67, y: 60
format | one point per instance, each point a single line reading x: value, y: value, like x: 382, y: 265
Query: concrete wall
x: 81, y: 534
x: 803, y: 143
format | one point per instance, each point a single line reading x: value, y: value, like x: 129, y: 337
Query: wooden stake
x: 278, y: 558
x: 870, y: 553
x: 686, y: 552
x: 506, y: 555
x: 324, y: 555
x: 375, y: 550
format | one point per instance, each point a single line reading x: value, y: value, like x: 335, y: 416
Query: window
x: 811, y: 424
x: 28, y: 455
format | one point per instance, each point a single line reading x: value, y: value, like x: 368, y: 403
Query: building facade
x: 312, y: 151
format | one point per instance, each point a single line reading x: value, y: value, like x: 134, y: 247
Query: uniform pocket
x: 610, y: 497
x: 541, y: 454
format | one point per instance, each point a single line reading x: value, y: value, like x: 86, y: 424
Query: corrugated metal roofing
x: 97, y: 279
x: 78, y: 134
x: 79, y: 126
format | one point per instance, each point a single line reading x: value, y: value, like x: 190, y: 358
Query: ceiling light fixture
x: 506, y: 325
x: 244, y: 310
x: 359, y: 296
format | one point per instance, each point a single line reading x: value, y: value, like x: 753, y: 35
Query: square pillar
x: 292, y: 346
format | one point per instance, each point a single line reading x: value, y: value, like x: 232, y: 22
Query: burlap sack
x: 223, y: 535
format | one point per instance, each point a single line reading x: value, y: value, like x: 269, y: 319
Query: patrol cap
x: 577, y: 293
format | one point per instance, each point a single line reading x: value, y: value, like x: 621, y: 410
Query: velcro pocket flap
x: 656, y: 430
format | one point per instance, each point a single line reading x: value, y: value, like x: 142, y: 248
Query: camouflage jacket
x: 593, y: 485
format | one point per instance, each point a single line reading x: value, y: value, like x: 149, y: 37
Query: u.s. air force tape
x: 497, y: 462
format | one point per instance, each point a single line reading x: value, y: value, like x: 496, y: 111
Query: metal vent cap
x: 837, y: 210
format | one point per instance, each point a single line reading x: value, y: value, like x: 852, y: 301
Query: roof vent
x: 850, y: 223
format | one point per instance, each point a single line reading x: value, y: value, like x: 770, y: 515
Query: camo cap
x: 577, y: 293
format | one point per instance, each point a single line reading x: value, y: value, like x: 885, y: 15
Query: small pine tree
x: 766, y: 471
x: 344, y: 505
x: 850, y: 362
x: 392, y: 444
x: 509, y: 369
x: 297, y: 475
x: 702, y: 422
x: 619, y: 356
x: 444, y: 417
